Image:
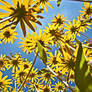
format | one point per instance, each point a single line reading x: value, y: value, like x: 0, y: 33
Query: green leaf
x: 58, y: 2
x: 83, y: 78
x: 42, y: 53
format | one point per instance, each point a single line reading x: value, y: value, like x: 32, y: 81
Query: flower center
x: 7, y: 34
x: 1, y: 63
x: 42, y: 43
x: 1, y: 84
x: 59, y: 21
x: 89, y: 11
x: 21, y: 74
x: 55, y: 61
x: 32, y: 75
x: 46, y: 90
x: 47, y: 75
x: 19, y: 12
x: 43, y: 1
x: 73, y: 29
x: 25, y: 66
x: 15, y: 62
x: 60, y: 87
x: 37, y: 86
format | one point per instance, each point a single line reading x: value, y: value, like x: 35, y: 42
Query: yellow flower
x: 54, y: 32
x: 59, y: 20
x: 4, y: 82
x: 73, y: 28
x: 33, y: 77
x: 3, y: 62
x: 55, y: 59
x: 43, y: 4
x: 26, y: 64
x: 20, y: 75
x: 68, y: 62
x: 46, y: 88
x: 14, y: 61
x: 35, y: 86
x: 83, y: 23
x: 47, y: 77
x: 8, y: 35
x: 30, y: 43
x: 87, y: 10
x: 59, y: 87
x: 23, y: 11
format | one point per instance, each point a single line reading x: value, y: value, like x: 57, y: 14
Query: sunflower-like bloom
x: 74, y: 28
x: 33, y: 77
x: 46, y: 88
x: 55, y: 59
x: 23, y: 11
x: 30, y: 43
x: 47, y: 77
x: 4, y: 82
x: 54, y: 32
x: 35, y: 86
x: 67, y: 66
x: 26, y: 64
x: 87, y: 10
x: 59, y: 20
x: 43, y: 4
x: 14, y: 62
x: 3, y: 62
x: 59, y: 87
x: 8, y: 35
x: 68, y: 61
x: 20, y: 75
x: 84, y: 24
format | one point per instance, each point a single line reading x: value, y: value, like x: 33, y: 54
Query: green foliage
x: 83, y: 78
x: 42, y: 53
x: 58, y: 2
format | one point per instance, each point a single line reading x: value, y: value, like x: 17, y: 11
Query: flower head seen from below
x: 26, y: 64
x: 30, y: 44
x: 14, y: 61
x: 36, y: 86
x: 23, y: 11
x: 47, y: 77
x: 3, y: 62
x: 55, y: 59
x: 46, y: 88
x: 4, y: 82
x: 87, y: 10
x: 73, y: 28
x: 54, y: 32
x: 20, y: 75
x: 59, y: 87
x: 43, y: 4
x: 59, y: 20
x: 33, y: 77
x: 8, y: 35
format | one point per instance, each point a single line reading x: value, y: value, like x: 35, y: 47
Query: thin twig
x: 67, y: 85
x: 28, y: 73
x: 15, y: 79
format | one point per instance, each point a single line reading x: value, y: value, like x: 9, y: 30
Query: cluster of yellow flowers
x: 60, y: 65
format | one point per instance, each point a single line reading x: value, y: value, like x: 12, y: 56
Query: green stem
x: 28, y: 73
